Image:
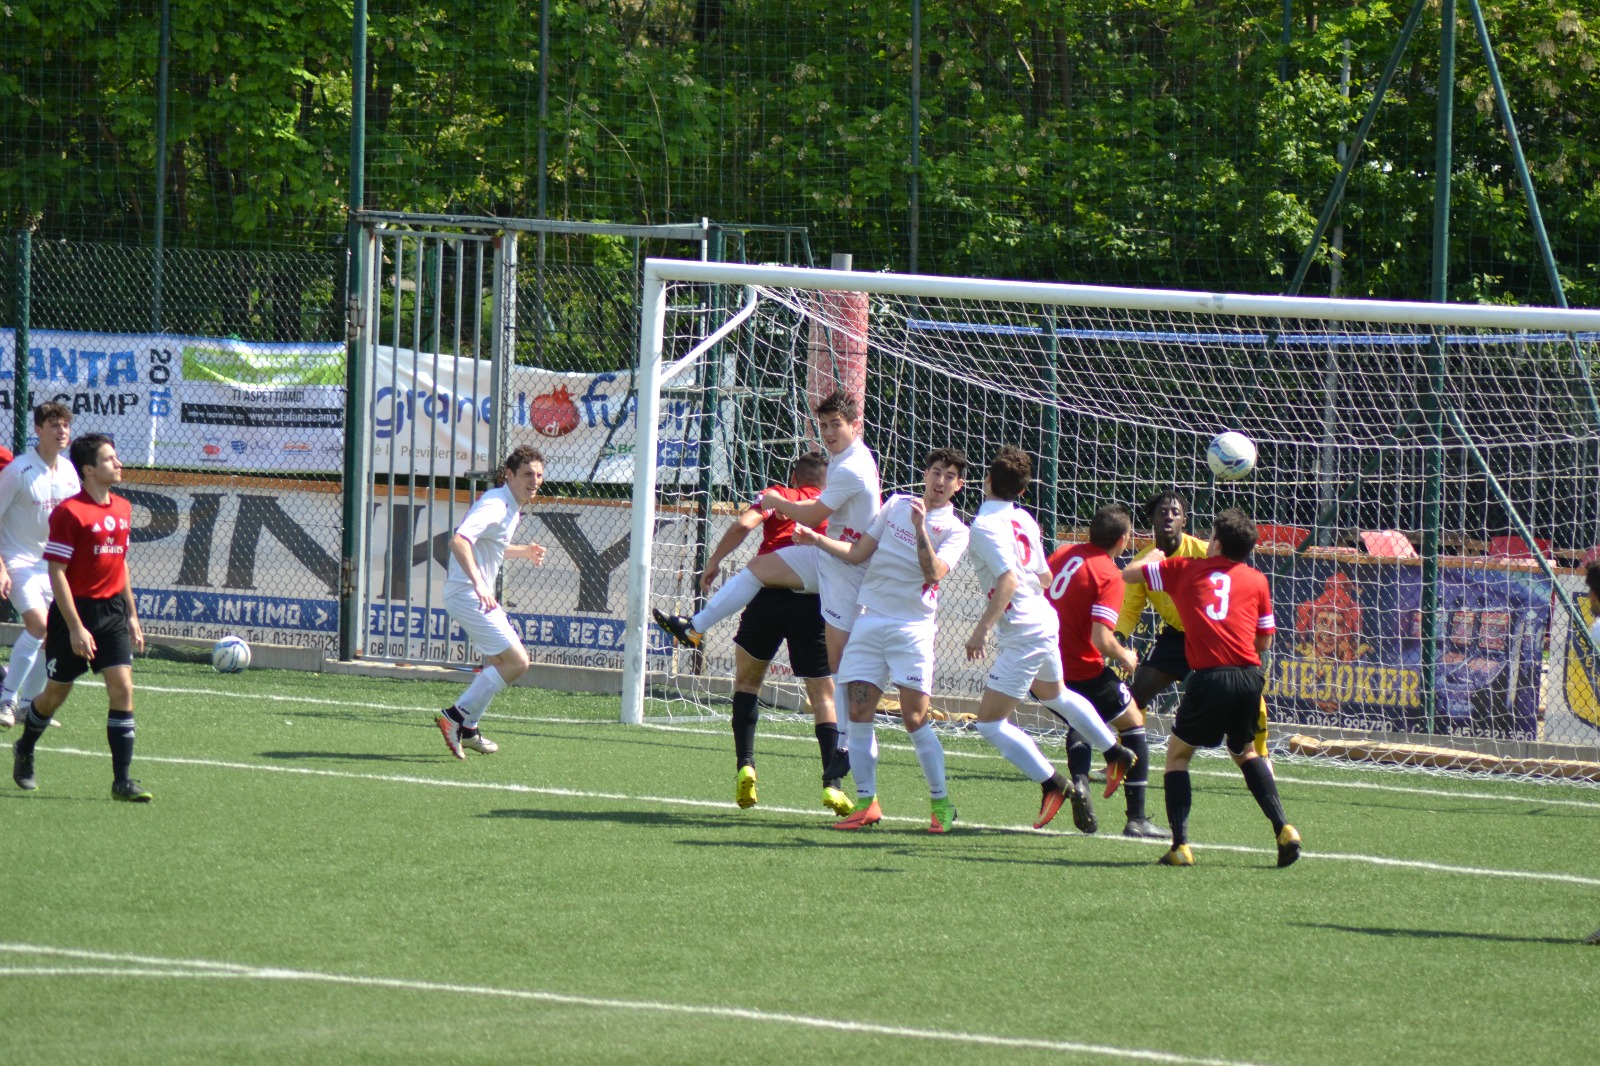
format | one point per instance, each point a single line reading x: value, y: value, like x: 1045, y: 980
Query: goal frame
x: 653, y: 373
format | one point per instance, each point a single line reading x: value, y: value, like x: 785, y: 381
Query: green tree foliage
x: 1136, y: 142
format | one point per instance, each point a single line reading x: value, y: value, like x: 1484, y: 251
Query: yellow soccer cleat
x: 1177, y: 855
x: 744, y: 787
x: 836, y: 801
x: 1288, y: 845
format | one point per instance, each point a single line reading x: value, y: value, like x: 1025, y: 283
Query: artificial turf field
x: 317, y: 880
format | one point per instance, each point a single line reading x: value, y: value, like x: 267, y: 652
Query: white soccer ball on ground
x: 1231, y: 455
x: 230, y: 655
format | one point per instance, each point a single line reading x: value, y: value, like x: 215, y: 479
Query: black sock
x: 1079, y: 754
x: 1258, y: 775
x: 454, y: 714
x: 745, y: 717
x: 1133, y: 789
x: 1180, y: 796
x: 828, y: 745
x: 119, y: 736
x: 33, y: 728
x: 1057, y: 783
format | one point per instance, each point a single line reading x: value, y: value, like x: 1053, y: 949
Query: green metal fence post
x: 350, y: 544
x: 1049, y: 442
x: 20, y: 400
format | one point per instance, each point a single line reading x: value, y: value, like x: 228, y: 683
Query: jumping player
x: 1086, y: 590
x: 29, y: 490
x: 1226, y: 609
x: 91, y: 623
x: 1008, y: 552
x: 477, y: 548
x: 907, y: 550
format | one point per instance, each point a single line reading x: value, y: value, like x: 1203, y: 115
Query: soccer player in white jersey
x: 30, y: 488
x: 908, y: 549
x: 1009, y: 555
x: 477, y: 548
x: 848, y: 504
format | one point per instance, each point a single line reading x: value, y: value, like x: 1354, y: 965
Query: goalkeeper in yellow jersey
x: 1165, y: 664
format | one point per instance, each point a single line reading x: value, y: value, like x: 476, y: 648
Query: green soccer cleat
x: 130, y: 791
x: 1177, y: 855
x: 1288, y: 845
x: 744, y: 787
x: 836, y: 801
x: 943, y: 817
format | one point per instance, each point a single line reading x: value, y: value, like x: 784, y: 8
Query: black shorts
x: 1167, y: 654
x: 106, y: 620
x: 1221, y: 703
x: 779, y: 615
x: 1109, y: 696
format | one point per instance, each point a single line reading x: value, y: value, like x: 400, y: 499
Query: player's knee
x: 512, y: 663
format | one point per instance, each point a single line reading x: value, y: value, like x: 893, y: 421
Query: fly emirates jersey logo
x: 106, y: 534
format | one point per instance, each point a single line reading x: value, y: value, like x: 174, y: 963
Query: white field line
x: 949, y: 752
x: 152, y: 966
x: 680, y: 801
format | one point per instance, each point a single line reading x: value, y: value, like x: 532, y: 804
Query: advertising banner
x: 1348, y: 649
x: 1572, y: 698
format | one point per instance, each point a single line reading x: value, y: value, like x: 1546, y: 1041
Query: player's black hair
x: 810, y: 469
x: 1591, y: 576
x: 950, y: 457
x: 1154, y: 503
x: 841, y: 403
x: 85, y: 451
x: 521, y: 455
x: 1010, y: 472
x: 1235, y: 532
x: 46, y: 411
x: 1109, y: 525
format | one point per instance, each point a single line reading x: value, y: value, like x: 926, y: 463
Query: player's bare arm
x: 933, y: 568
x: 999, y: 598
x: 461, y: 548
x: 1133, y: 573
x: 82, y: 639
x: 732, y: 537
x: 1105, y: 641
x: 530, y: 551
x: 805, y: 512
x: 857, y: 552
x: 135, y: 630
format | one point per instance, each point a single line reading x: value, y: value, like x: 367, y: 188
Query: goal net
x: 1427, y: 491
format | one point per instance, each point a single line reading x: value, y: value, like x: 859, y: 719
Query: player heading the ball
x: 1227, y: 621
x: 477, y: 548
x: 907, y: 550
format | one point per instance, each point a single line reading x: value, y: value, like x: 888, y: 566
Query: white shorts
x: 489, y: 631
x: 1018, y: 666
x: 840, y: 586
x: 802, y: 559
x: 30, y: 588
x: 882, y: 650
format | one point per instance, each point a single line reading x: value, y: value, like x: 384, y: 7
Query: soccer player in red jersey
x: 92, y: 624
x: 1226, y: 608
x: 1087, y: 591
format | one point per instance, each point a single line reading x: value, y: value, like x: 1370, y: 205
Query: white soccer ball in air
x: 1231, y: 455
x: 230, y: 655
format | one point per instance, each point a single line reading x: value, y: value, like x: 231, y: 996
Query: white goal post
x: 1467, y: 435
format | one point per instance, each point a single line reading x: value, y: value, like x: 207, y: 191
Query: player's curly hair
x: 1154, y: 503
x: 1109, y: 524
x: 949, y: 457
x: 810, y: 469
x: 840, y: 403
x: 521, y: 455
x: 1235, y: 532
x: 1010, y: 473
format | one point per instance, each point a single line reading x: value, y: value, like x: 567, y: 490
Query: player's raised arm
x: 732, y: 537
x: 858, y: 551
x: 806, y: 512
x: 1134, y: 573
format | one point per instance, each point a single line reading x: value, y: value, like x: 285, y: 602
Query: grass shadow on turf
x: 631, y: 818
x: 1436, y: 934
x: 356, y: 756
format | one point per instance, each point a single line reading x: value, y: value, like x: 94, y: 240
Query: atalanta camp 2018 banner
x: 205, y: 402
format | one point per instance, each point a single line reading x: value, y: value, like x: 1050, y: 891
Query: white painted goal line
x: 890, y: 746
x: 681, y: 801
x: 148, y: 966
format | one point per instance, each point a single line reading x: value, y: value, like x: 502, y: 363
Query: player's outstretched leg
x: 33, y: 726
x: 1258, y: 776
x: 1079, y: 757
x: 1135, y: 788
x: 678, y: 627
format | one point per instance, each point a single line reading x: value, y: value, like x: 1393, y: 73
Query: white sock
x: 24, y: 654
x: 734, y: 596
x: 863, y: 740
x: 930, y: 753
x: 475, y: 700
x: 1081, y: 715
x: 33, y: 684
x: 1018, y: 748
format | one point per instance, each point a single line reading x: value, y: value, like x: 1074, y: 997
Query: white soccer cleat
x: 479, y: 743
x: 8, y: 714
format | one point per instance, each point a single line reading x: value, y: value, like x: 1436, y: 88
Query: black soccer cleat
x: 678, y: 626
x: 1288, y: 845
x: 22, y: 769
x: 1082, y: 806
x: 1143, y: 829
x: 130, y: 791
